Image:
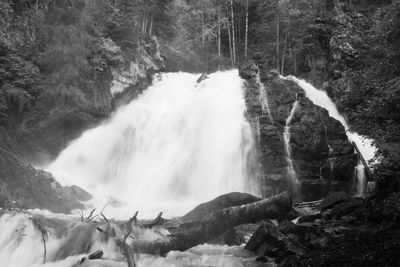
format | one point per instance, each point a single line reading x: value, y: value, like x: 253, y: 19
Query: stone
x: 267, y: 240
x: 310, y: 218
x: 266, y: 233
x: 75, y: 192
x: 333, y: 199
x: 345, y: 208
x: 223, y: 201
x: 248, y: 70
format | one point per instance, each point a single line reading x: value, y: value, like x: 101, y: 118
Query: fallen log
x: 188, y: 235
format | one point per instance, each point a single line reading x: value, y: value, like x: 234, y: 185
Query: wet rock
x: 345, y: 208
x: 75, y: 192
x: 286, y: 227
x: 310, y: 218
x: 22, y: 186
x: 223, y: 201
x: 248, y: 70
x: 319, y: 242
x: 267, y: 233
x: 267, y: 240
x: 319, y: 168
x: 333, y: 199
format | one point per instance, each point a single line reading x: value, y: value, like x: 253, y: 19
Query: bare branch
x: 153, y: 223
x: 90, y: 215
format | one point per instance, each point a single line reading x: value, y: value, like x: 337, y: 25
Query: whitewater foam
x: 179, y: 144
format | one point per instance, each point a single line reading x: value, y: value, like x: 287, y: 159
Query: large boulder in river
x: 221, y: 202
x: 322, y: 156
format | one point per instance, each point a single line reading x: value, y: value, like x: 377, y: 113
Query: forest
x: 77, y: 79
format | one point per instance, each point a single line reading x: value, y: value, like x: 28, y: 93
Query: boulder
x: 248, y: 70
x: 345, y: 208
x: 333, y: 199
x: 223, y: 201
x: 267, y: 240
x: 75, y: 192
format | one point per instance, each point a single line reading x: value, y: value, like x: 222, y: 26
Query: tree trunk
x: 151, y: 25
x: 230, y: 42
x: 190, y: 234
x: 144, y: 22
x: 283, y: 54
x: 219, y: 37
x: 233, y: 34
x: 247, y: 30
x: 277, y: 41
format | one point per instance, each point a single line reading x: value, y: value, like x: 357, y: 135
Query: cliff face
x: 312, y: 131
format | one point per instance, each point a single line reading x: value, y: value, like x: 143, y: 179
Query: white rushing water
x: 294, y: 182
x: 364, y: 144
x: 21, y: 245
x: 179, y: 144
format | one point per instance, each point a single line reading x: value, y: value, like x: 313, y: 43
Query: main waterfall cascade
x: 365, y: 145
x: 179, y: 144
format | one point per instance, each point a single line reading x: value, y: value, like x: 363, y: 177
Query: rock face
x: 317, y: 141
x: 22, y: 186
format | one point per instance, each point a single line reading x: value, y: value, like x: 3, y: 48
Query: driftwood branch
x: 104, y: 217
x: 156, y: 221
x: 43, y: 232
x: 90, y: 215
x: 127, y: 251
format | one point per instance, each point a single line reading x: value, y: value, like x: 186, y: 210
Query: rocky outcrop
x: 22, y: 186
x: 131, y: 81
x: 317, y: 141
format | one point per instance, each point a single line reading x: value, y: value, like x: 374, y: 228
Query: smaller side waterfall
x: 292, y: 175
x: 361, y: 180
x: 264, y: 98
x: 367, y: 149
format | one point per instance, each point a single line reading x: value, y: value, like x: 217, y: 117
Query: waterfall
x: 365, y: 145
x: 293, y: 182
x: 263, y: 98
x: 361, y: 181
x: 179, y: 144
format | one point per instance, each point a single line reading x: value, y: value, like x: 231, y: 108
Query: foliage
x: 18, y: 85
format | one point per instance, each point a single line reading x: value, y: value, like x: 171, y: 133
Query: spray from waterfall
x: 367, y: 149
x: 179, y: 144
x: 292, y: 175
